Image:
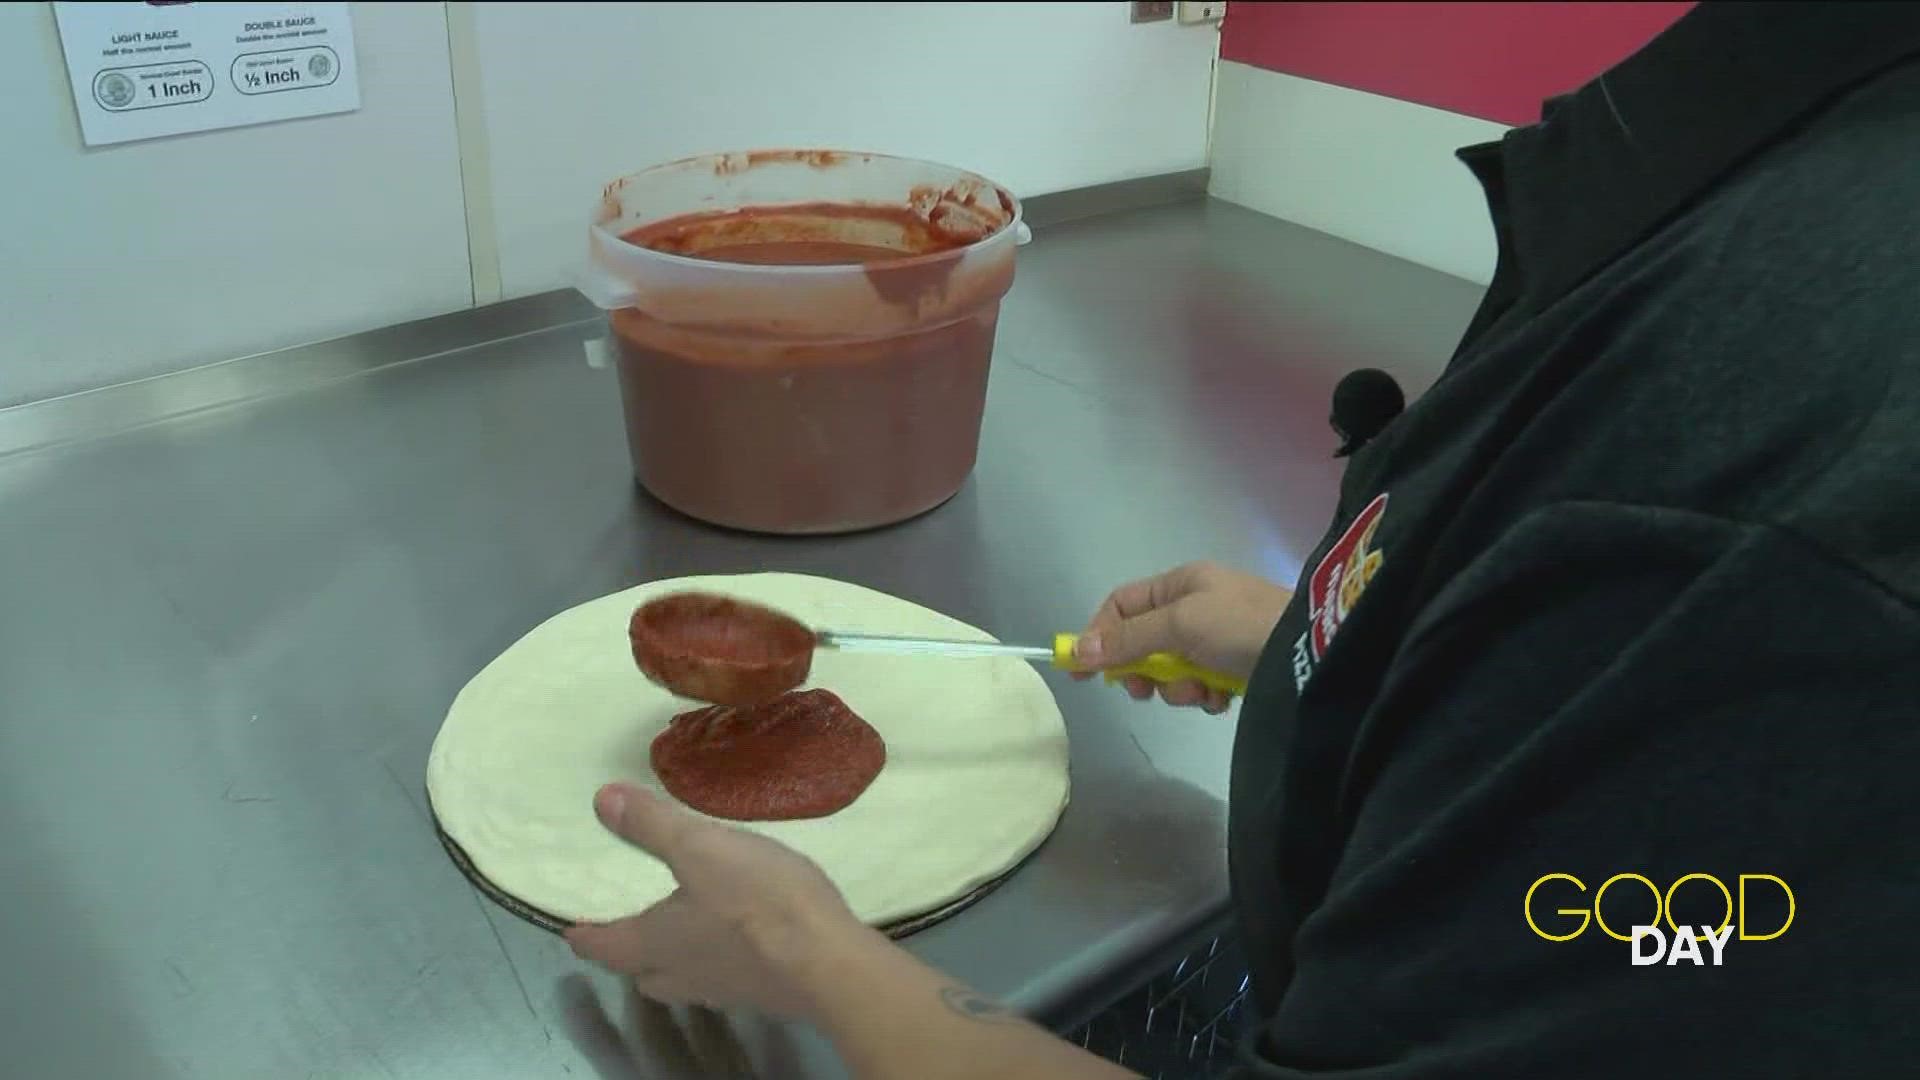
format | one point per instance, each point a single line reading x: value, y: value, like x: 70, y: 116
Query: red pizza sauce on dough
x: 719, y: 649
x: 804, y: 755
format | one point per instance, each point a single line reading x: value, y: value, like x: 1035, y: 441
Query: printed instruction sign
x: 143, y: 70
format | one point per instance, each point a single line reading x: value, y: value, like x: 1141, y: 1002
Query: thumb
x: 643, y: 819
x: 1128, y: 640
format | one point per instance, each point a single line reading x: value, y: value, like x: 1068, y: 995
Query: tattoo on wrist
x: 976, y: 1007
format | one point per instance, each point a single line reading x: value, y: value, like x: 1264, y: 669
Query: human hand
x: 742, y: 928
x: 1216, y: 617
x: 754, y: 923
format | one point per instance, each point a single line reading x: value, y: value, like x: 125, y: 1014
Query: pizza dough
x: 975, y: 779
x: 802, y: 755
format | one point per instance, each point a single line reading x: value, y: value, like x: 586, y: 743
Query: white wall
x: 132, y: 260
x: 1374, y: 170
x: 129, y: 260
x: 1040, y: 97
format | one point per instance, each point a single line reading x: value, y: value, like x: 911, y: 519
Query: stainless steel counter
x: 234, y: 605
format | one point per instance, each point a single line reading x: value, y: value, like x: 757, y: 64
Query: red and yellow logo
x: 1343, y: 575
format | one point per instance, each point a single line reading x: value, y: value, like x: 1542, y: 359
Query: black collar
x: 1614, y: 160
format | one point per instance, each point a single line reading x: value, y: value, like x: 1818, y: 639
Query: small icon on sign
x: 114, y: 90
x: 320, y: 66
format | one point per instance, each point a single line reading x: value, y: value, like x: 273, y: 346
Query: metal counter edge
x: 91, y: 413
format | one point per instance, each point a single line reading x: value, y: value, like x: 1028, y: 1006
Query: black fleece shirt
x: 1624, y: 613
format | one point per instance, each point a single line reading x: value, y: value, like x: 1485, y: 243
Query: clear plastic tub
x: 803, y: 336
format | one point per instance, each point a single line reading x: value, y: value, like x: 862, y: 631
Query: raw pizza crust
x: 976, y: 773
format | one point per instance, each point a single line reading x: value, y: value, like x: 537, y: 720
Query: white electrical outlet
x: 1200, y: 11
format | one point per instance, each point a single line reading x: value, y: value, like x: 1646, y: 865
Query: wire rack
x: 1182, y: 1025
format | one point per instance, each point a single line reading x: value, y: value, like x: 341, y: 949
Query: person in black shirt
x: 1618, y: 626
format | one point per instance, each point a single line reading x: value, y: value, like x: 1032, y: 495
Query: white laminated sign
x: 143, y: 70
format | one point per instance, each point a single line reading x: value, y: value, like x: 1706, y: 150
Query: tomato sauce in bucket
x: 808, y: 364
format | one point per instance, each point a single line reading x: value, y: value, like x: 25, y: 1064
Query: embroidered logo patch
x: 1342, y: 576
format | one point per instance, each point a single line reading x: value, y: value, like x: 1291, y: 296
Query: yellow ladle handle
x: 1160, y: 667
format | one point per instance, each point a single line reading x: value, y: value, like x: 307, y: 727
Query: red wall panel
x: 1491, y: 60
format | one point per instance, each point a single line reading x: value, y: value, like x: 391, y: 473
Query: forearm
x: 891, y: 1016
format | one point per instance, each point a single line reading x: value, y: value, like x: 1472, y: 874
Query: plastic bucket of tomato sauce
x: 802, y: 336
